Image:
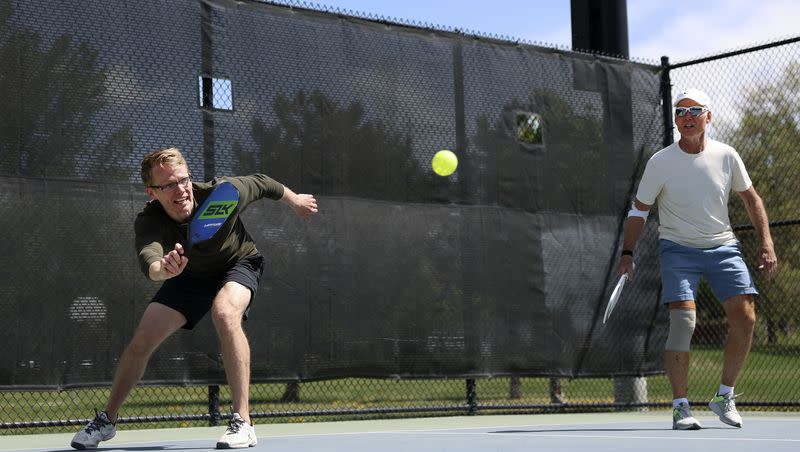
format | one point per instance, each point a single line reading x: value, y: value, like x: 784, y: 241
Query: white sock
x: 676, y: 402
x: 724, y: 389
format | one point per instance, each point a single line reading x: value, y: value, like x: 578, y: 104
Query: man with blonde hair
x: 221, y: 278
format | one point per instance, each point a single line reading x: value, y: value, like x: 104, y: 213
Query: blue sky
x: 680, y: 30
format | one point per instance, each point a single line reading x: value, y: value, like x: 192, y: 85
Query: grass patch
x: 768, y: 376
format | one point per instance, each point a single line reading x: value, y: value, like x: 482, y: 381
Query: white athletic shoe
x: 99, y: 429
x: 239, y: 434
x: 725, y: 408
x: 682, y: 418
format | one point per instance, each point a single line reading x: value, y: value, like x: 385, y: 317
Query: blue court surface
x: 635, y: 431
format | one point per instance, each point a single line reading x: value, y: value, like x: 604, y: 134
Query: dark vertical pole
x: 471, y: 352
x: 207, y: 56
x: 600, y: 26
x: 666, y: 101
x: 465, y: 163
x: 472, y: 397
x: 213, y: 405
x: 458, y: 92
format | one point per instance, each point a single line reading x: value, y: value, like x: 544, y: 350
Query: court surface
x: 649, y: 431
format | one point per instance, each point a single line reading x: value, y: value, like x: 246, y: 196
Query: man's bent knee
x: 230, y: 304
x: 227, y: 318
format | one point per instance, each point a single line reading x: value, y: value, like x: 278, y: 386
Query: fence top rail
x: 719, y: 56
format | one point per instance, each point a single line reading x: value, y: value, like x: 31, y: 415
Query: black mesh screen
x: 502, y: 268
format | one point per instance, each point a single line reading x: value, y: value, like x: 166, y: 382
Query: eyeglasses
x: 694, y: 111
x: 183, y: 182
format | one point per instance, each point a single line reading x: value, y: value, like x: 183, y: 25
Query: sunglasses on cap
x: 694, y: 111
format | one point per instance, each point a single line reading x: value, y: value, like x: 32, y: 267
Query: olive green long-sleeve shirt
x: 157, y: 233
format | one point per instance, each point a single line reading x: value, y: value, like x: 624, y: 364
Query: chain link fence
x: 756, y: 109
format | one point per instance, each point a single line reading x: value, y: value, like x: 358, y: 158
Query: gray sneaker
x: 725, y: 408
x: 99, y: 429
x: 682, y: 418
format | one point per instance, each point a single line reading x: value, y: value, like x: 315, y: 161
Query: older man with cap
x: 691, y: 181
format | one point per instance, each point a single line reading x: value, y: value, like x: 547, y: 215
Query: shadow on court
x: 173, y: 447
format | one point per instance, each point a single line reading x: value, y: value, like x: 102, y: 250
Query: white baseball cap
x: 694, y: 94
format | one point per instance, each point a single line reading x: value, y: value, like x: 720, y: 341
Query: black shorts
x: 193, y: 297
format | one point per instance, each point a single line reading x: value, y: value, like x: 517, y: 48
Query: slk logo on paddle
x: 218, y: 209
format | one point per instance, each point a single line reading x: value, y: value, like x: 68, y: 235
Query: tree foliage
x: 50, y: 94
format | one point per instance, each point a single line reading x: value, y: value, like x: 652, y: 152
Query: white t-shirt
x: 692, y: 192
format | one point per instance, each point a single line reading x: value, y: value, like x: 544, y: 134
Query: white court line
x: 686, y: 438
x: 542, y: 435
x: 520, y: 430
x: 517, y: 429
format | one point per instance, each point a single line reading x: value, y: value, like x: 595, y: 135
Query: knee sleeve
x: 681, y: 328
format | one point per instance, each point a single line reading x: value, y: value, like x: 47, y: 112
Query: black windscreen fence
x: 501, y: 269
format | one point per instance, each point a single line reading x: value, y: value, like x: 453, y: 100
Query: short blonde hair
x: 168, y: 156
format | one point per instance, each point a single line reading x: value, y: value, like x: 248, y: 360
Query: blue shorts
x: 723, y: 268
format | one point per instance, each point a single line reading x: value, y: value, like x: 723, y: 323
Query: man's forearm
x: 632, y: 230
x: 758, y: 218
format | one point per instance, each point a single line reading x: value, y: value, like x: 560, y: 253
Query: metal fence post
x: 666, y: 101
x: 472, y: 395
x: 213, y: 405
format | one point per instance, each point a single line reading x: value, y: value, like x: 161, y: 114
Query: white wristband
x: 634, y: 212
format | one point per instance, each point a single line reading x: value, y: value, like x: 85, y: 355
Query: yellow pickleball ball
x: 444, y: 162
